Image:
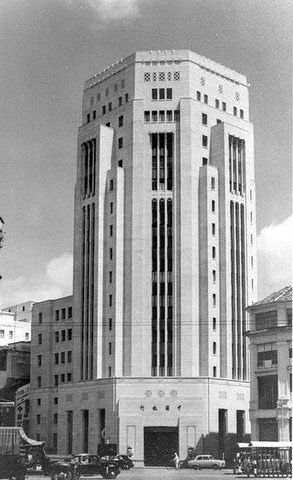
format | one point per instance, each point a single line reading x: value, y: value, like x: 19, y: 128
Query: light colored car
x: 205, y: 461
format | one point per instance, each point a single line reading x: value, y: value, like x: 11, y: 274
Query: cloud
x: 54, y: 282
x: 274, y: 244
x: 109, y: 10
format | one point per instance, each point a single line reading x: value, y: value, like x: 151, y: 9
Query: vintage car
x: 123, y: 461
x: 84, y: 464
x: 12, y: 467
x: 203, y: 461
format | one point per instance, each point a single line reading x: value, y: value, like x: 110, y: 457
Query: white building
x: 270, y: 336
x: 15, y: 323
x: 164, y: 260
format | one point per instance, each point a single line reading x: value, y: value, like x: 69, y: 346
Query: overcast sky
x: 50, y: 47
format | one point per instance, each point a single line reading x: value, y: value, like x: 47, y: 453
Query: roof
x: 284, y: 295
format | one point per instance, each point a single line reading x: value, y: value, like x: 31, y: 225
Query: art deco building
x: 164, y: 259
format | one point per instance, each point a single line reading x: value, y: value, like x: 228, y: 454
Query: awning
x: 271, y: 444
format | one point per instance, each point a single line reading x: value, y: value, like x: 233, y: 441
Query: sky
x: 50, y: 47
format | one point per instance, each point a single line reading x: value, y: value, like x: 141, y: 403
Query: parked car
x: 84, y: 464
x: 123, y: 461
x: 203, y: 461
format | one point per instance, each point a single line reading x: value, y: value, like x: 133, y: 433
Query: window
x: 169, y: 115
x: 204, y: 161
x: 111, y: 208
x: 266, y: 320
x: 23, y: 308
x: 108, y: 124
x: 198, y: 96
x: 214, y: 300
x: 110, y: 348
x: 104, y: 109
x: 62, y: 357
x: 147, y: 116
x: 111, y: 253
x: 176, y: 115
x: 176, y: 76
x: 204, y: 119
x: 120, y: 121
x: 26, y: 336
x: 213, y: 252
x: 235, y: 111
x: 147, y: 76
x: 88, y: 118
x: 69, y: 377
x: 55, y: 418
x: 69, y: 334
x: 241, y: 113
x: 120, y: 163
x: 39, y: 360
x: 161, y: 93
x: 110, y: 323
x: 267, y: 392
x: 56, y: 315
x: 154, y: 116
x: 214, y: 276
x: 169, y: 93
x: 39, y: 382
x: 94, y: 114
x: 205, y: 98
x: 111, y: 185
x: 10, y: 333
x: 218, y: 121
x: 38, y: 437
x: 120, y: 101
x: 55, y: 400
x: 110, y: 300
x: 40, y: 338
x: 63, y: 313
x: 120, y: 142
x: 213, y: 229
x: 38, y: 402
x: 56, y: 336
x: 56, y: 358
x: 56, y: 380
x: 69, y: 356
x: 110, y: 277
x: 62, y: 377
x: 40, y: 317
x: 224, y: 106
x: 214, y: 323
x: 63, y: 335
x: 111, y: 230
x: 214, y: 371
x: 126, y: 97
x: 214, y: 348
x: 213, y: 206
x: 154, y: 94
x: 217, y: 103
x: 110, y: 372
x: 38, y: 419
x: 110, y: 107
x: 213, y: 183
x: 267, y: 355
x: 162, y: 115
x: 69, y: 312
x: 204, y: 141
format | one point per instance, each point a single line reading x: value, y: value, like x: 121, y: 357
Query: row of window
x: 161, y: 76
x: 10, y: 334
x: 39, y: 401
x: 57, y: 336
x: 161, y: 116
x: 162, y: 93
x: 107, y: 108
x: 68, y: 378
x: 62, y: 357
x: 217, y: 104
x: 61, y: 314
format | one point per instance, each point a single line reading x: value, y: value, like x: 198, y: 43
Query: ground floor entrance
x: 160, y: 444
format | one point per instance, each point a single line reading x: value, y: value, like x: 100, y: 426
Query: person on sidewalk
x: 176, y: 460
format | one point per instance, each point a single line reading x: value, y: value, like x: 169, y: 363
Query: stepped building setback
x: 164, y: 261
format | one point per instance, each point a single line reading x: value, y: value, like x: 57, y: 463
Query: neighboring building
x: 51, y: 365
x: 164, y: 261
x: 15, y: 323
x: 22, y: 407
x: 270, y: 334
x: 14, y: 373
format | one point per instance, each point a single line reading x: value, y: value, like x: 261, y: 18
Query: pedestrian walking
x: 176, y: 460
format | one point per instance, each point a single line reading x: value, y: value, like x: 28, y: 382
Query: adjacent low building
x: 15, y: 323
x: 271, y: 367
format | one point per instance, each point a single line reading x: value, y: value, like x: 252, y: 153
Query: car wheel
x: 111, y: 474
x: 126, y: 466
x: 216, y: 467
x: 195, y: 467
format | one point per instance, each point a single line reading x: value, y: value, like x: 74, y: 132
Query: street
x: 165, y: 473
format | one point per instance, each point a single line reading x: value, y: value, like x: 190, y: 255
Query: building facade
x: 51, y: 365
x: 164, y: 259
x: 270, y: 336
x: 15, y: 323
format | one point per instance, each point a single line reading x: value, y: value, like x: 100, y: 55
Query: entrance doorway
x: 160, y: 444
